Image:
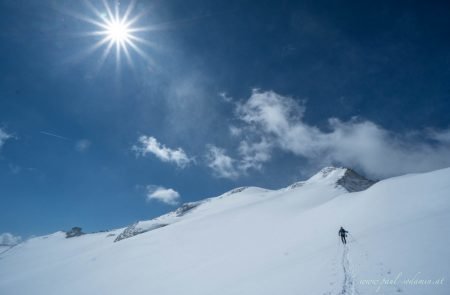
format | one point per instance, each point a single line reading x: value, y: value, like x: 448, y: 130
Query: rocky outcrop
x: 353, y: 182
x: 74, y: 232
x: 136, y: 229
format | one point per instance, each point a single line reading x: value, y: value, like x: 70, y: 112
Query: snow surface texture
x: 257, y: 241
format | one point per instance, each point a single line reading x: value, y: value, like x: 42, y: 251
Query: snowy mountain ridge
x: 334, y: 176
x: 258, y: 241
x: 339, y: 177
x: 141, y: 227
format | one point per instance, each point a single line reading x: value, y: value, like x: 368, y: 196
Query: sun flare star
x: 118, y: 31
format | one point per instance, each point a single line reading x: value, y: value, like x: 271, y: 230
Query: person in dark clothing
x: 343, y: 234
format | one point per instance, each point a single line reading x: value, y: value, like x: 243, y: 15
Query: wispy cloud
x: 223, y: 165
x: 272, y: 122
x: 4, y: 136
x: 165, y: 195
x: 15, y: 169
x: 7, y: 239
x: 251, y: 156
x: 254, y: 153
x: 235, y: 131
x: 82, y: 145
x: 226, y: 97
x: 149, y: 144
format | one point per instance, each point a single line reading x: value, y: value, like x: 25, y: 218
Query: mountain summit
x: 339, y: 177
x: 344, y: 177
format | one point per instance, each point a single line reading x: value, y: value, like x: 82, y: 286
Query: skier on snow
x: 343, y: 234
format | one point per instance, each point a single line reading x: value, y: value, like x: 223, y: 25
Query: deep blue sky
x: 387, y: 62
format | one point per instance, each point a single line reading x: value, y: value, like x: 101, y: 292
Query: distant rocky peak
x: 353, y: 182
x: 328, y: 174
x: 343, y: 177
x: 236, y: 190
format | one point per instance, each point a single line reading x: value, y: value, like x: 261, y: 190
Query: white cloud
x: 272, y: 121
x: 149, y: 144
x: 162, y: 194
x: 7, y: 239
x: 270, y: 111
x: 4, y: 136
x: 254, y: 154
x: 222, y: 164
x: 82, y: 145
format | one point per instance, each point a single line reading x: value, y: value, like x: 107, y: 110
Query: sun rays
x: 117, y: 31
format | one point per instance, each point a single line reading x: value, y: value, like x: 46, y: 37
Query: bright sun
x: 118, y: 32
x: 117, y: 29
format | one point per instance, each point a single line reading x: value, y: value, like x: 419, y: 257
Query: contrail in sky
x: 55, y: 135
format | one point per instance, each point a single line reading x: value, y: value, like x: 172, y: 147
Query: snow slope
x: 257, y: 241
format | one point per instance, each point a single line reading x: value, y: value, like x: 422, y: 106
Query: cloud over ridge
x: 272, y: 122
x: 7, y: 239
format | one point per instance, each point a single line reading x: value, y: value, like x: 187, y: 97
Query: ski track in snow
x: 348, y: 286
